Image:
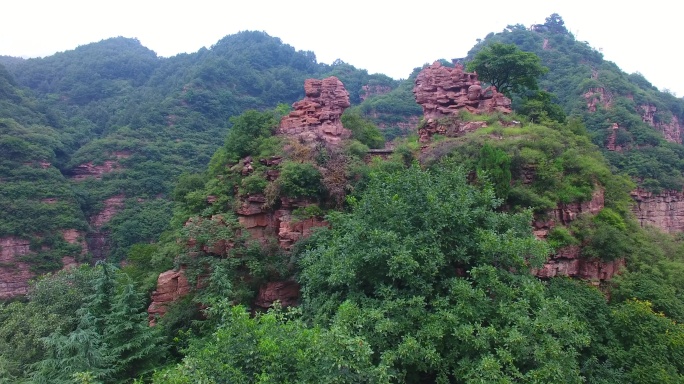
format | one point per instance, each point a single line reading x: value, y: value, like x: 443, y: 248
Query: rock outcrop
x: 285, y: 292
x: 611, y: 142
x: 370, y: 90
x: 84, y: 171
x: 444, y: 91
x: 264, y: 223
x: 317, y: 116
x: 89, y: 169
x: 598, y: 97
x: 171, y: 285
x: 98, y: 240
x: 664, y: 210
x: 672, y: 130
x: 14, y: 273
x: 568, y: 260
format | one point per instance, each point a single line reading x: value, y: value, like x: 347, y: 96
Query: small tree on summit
x: 506, y: 67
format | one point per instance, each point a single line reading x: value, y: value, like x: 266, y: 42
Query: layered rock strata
x: 317, y: 116
x: 568, y: 260
x: 98, y: 240
x: 14, y: 274
x: 444, y: 91
x: 171, y: 286
x: 664, y: 210
x: 672, y: 130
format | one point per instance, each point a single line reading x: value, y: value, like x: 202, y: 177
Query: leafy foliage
x: 506, y: 67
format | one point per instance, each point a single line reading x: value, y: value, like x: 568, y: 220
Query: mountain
x: 242, y: 240
x: 127, y: 123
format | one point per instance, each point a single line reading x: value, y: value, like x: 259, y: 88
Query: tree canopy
x: 509, y: 69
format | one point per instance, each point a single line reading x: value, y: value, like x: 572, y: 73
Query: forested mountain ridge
x: 127, y: 123
x: 648, y: 121
x: 417, y: 262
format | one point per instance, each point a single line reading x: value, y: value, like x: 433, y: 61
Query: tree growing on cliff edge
x: 509, y: 69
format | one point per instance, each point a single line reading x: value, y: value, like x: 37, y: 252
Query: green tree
x: 509, y: 69
x: 422, y: 270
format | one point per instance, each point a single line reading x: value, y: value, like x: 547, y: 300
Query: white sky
x: 390, y: 37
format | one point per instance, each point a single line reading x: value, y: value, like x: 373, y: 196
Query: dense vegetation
x: 578, y: 76
x: 423, y: 272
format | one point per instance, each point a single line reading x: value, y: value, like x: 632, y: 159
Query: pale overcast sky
x: 390, y: 37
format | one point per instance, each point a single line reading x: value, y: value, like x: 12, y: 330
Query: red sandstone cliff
x: 664, y: 210
x: 315, y: 119
x: 568, y: 261
x: 672, y: 130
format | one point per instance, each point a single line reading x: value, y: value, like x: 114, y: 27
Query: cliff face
x: 598, y: 97
x: 664, y: 210
x: 568, y: 261
x: 15, y: 274
x: 672, y: 130
x: 315, y: 119
x: 171, y: 285
x: 98, y: 239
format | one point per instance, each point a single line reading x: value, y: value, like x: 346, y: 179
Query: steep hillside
x: 638, y: 127
x: 127, y: 123
x: 495, y: 243
x: 42, y: 226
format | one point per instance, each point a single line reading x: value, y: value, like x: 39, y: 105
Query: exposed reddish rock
x: 672, y: 130
x: 74, y: 236
x: 444, y: 91
x: 612, y: 137
x: 84, y: 171
x: 290, y: 230
x: 263, y: 223
x: 565, y: 213
x: 567, y: 262
x: 598, y: 96
x: 98, y: 240
x: 664, y: 210
x: 369, y: 90
x: 14, y: 274
x: 317, y: 116
x: 286, y: 292
x: 112, y: 206
x: 171, y: 286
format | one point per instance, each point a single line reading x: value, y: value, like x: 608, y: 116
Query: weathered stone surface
x: 14, y: 274
x: 611, y: 144
x: 567, y: 260
x: 98, y: 240
x: 444, y: 91
x: 286, y: 292
x: 370, y: 90
x: 598, y: 97
x: 84, y: 171
x: 290, y: 230
x: 317, y: 116
x: 171, y: 285
x: 568, y: 263
x: 565, y: 213
x: 672, y: 130
x: 664, y: 210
